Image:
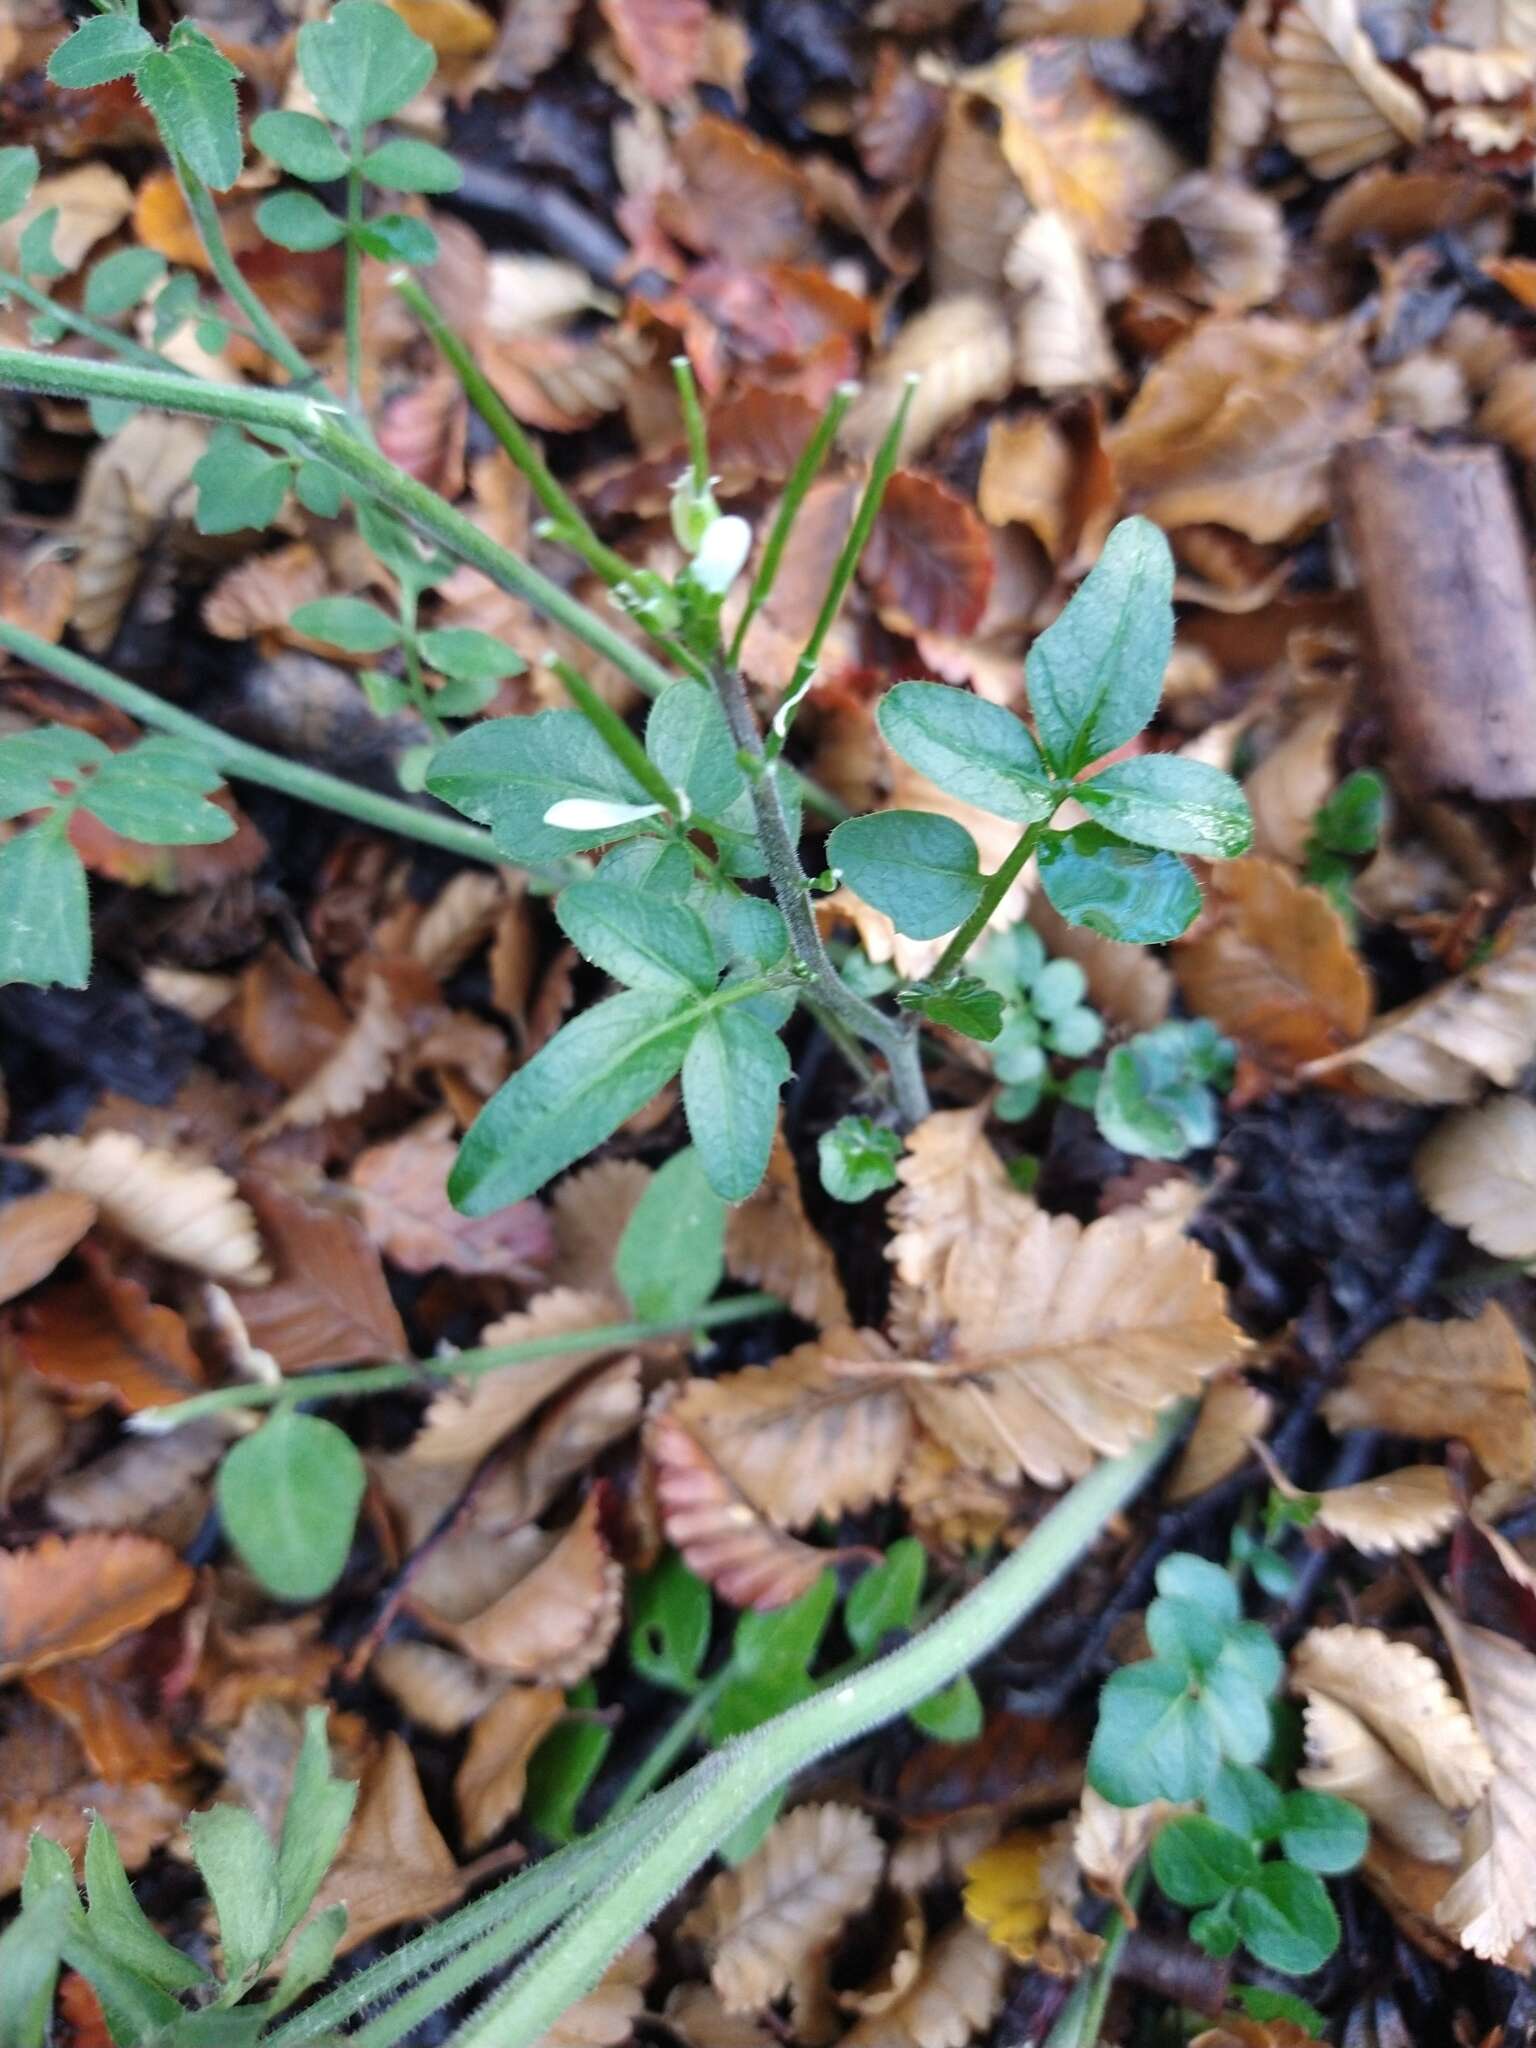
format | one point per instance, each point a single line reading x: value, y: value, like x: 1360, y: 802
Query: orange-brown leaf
x: 928, y: 562
x: 662, y: 41
x: 403, y: 1188
x: 35, y: 1233
x: 771, y: 1242
x: 489, y: 1784
x: 69, y: 1596
x: 329, y: 1303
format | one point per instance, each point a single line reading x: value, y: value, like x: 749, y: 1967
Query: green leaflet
x: 732, y: 1075
x: 45, y: 931
x: 1124, y: 892
x: 1161, y: 800
x: 288, y: 1495
x: 919, y: 867
x: 672, y: 1254
x: 508, y: 772
x: 189, y: 87
x: 107, y: 47
x: 642, y: 940
x: 362, y: 63
x: 975, y: 750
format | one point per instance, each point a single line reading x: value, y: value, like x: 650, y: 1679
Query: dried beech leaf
x: 958, y: 1993
x: 403, y: 1188
x: 359, y: 1067
x: 489, y: 1784
x: 770, y: 1242
x: 69, y: 1596
x: 437, y: 1688
x: 135, y: 1482
x: 1401, y: 1696
x: 174, y: 1207
x: 951, y: 1508
x: 694, y: 2013
x: 107, y: 1341
x: 1027, y: 478
x: 1338, y: 105
x: 1291, y: 783
x: 1235, y: 237
x: 36, y: 1232
x: 261, y: 595
x: 1272, y: 965
x: 952, y: 1185
x: 329, y: 1303
x: 818, y: 1432
x: 662, y: 41
x: 93, y: 202
x: 1447, y: 1046
x: 1405, y: 1510
x: 589, y: 1212
x: 393, y: 1864
x: 928, y: 562
x: 1487, y: 24
x: 1232, y: 1414
x: 720, y: 1535
x: 1492, y: 1904
x: 1478, y: 1171
x: 1466, y: 1379
x: 1243, y: 94
x: 46, y: 1784
x: 962, y: 351
x: 1346, y: 1759
x: 1062, y: 339
x: 758, y: 1923
x: 135, y: 485
x: 32, y: 1426
x: 1109, y: 1841
x: 739, y: 198
x: 607, y: 2015
x: 575, y: 1429
x: 1238, y: 425
x: 461, y: 1426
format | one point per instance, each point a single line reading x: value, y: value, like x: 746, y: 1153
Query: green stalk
x: 82, y: 324
x: 693, y: 424
x: 210, y: 230
x: 864, y: 518
x: 802, y: 476
x: 1081, y: 2020
x: 656, y: 1763
x: 618, y: 738
x: 248, y: 763
x: 718, y: 1791
x: 379, y: 1379
x: 994, y: 889
x: 352, y: 280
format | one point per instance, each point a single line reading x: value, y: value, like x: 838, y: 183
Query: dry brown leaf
x: 46, y: 1784
x: 552, y: 1624
x: 1243, y: 93
x: 738, y: 198
x: 359, y: 1067
x: 1292, y: 781
x: 1492, y: 1904
x: 393, y: 1864
x: 607, y: 2015
x: 262, y: 594
x: 136, y: 1482
x: 589, y: 1212
x: 1402, y: 1697
x: 951, y: 1508
x: 1232, y: 1414
x: 1346, y: 1759
x: 329, y: 1303
x: 1446, y: 1047
x: 69, y: 1596
x: 1006, y: 1891
x: 1022, y: 18
x: 36, y: 1232
x: 1062, y: 342
x: 1466, y: 1379
x: 958, y: 1993
x: 202, y: 997
x: 575, y: 1430
x: 178, y: 1209
x: 758, y: 1923
x: 1238, y: 424
x: 662, y: 41
x: 1273, y: 966
x: 1109, y: 1841
x: 461, y: 1426
x: 719, y: 1534
x: 105, y: 1340
x: 1339, y: 106
x: 1405, y: 1510
x: 1478, y: 1171
x: 1234, y: 237
x: 928, y: 561
x: 489, y: 1784
x: 93, y: 201
x: 117, y: 1712
x: 770, y: 1242
x: 135, y: 485
x: 818, y: 1432
x: 437, y: 1688
x: 953, y: 1185
x: 962, y: 351
x: 1027, y: 478
x: 694, y: 2013
x: 32, y: 1426
x: 403, y: 1188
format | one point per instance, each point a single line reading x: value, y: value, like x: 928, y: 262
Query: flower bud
x: 590, y: 814
x: 722, y: 555
x: 694, y: 512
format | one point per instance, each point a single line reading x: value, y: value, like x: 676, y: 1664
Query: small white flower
x: 587, y: 814
x: 722, y: 555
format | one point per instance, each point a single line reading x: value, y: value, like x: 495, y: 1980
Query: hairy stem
x: 352, y: 278
x: 803, y: 475
x: 210, y: 229
x: 994, y: 889
x: 826, y: 987
x: 131, y: 351
x: 248, y: 763
x: 717, y: 1792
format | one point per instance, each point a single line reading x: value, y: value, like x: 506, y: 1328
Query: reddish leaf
x: 36, y: 1232
x: 330, y: 1303
x: 105, y: 1340
x: 929, y: 561
x: 69, y: 1596
x: 662, y: 41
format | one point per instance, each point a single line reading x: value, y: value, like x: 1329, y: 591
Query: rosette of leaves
x: 1156, y: 1097
x: 1093, y: 679
x: 1346, y: 831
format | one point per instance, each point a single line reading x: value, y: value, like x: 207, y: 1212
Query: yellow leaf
x: 1006, y: 1894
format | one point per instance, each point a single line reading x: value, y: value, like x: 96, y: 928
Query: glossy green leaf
x: 362, y: 63
x: 350, y: 623
x: 155, y: 792
x: 298, y: 220
x: 1095, y: 674
x: 671, y: 1256
x: 110, y: 46
x: 45, y: 933
x: 288, y: 1496
x: 953, y: 1715
x: 975, y: 750
x: 510, y: 772
x: 857, y: 1158
x: 1246, y: 1800
x: 1323, y: 1833
x: 687, y: 738
x: 732, y: 1075
x: 402, y: 164
x: 642, y: 940
x: 469, y: 656
x: 1163, y: 800
x: 1153, y: 1739
x: 884, y: 1600
x: 563, y: 1767
x: 239, y: 1868
x: 398, y: 238
x: 963, y: 1003
x: 570, y: 1096
x: 1197, y: 1861
x: 239, y: 484
x: 119, y: 281
x: 1124, y: 892
x: 1286, y: 1918
x: 919, y: 867
x: 189, y: 87
x: 317, y: 1816
x: 670, y: 1614
x: 18, y: 175
x: 300, y: 145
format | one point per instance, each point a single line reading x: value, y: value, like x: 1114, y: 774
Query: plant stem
x: 618, y: 738
x: 413, y: 1372
x: 352, y: 281
x: 210, y: 229
x: 717, y: 1792
x: 106, y: 337
x: 791, y: 891
x: 654, y: 1766
x: 1081, y: 2019
x: 693, y: 424
x: 994, y: 889
x: 250, y: 763
x: 801, y: 478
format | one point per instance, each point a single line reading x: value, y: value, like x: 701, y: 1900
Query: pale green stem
x: 352, y: 281
x: 210, y: 229
x: 378, y: 1379
x: 106, y: 337
x: 693, y: 424
x: 617, y: 737
x: 994, y: 889
x: 718, y: 1791
x: 802, y: 476
x: 249, y: 763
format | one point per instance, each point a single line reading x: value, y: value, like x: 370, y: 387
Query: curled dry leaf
x: 32, y: 1426
x: 1466, y: 1379
x: 462, y: 1425
x: 182, y: 1211
x: 1292, y: 781
x: 105, y: 1340
x: 46, y: 1783
x: 1235, y: 239
x: 824, y: 1430
x: 953, y: 1185
x: 1238, y: 424
x: 262, y: 595
x: 437, y: 1688
x: 1447, y: 1046
x: 137, y: 1481
x: 1273, y: 967
x: 393, y: 1864
x: 1062, y: 340
x: 962, y: 351
x: 694, y: 2013
x: 958, y: 1992
x: 1492, y: 1904
x: 758, y: 1923
x: 358, y: 1067
x: 1478, y: 1171
x: 718, y: 1532
x: 329, y: 1303
x: 1345, y: 1758
x: 662, y: 41
x: 117, y: 1712
x: 1402, y: 1697
x: 36, y: 1232
x: 135, y: 485
x: 489, y: 1784
x: 1232, y: 1414
x: 69, y: 1596
x: 403, y: 1188
x: 928, y: 563
x: 1109, y: 1841
x: 1405, y: 1510
x: 1339, y: 106
x: 950, y: 1508
x: 770, y: 1242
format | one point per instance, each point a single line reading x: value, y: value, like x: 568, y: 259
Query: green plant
x: 1193, y: 1723
x: 1346, y: 830
x: 1157, y: 1095
x: 1041, y: 1013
